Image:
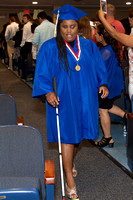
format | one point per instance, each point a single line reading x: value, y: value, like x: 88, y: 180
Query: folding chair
x: 8, y: 111
x: 22, y: 165
x: 130, y: 141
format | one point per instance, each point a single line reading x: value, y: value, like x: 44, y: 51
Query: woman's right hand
x: 51, y: 99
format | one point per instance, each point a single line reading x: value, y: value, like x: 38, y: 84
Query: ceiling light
x: 34, y: 2
x: 128, y: 3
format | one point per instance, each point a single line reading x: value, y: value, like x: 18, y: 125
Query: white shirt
x: 11, y: 30
x: 27, y: 34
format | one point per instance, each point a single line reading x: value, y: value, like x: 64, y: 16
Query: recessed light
x: 128, y: 3
x: 34, y: 2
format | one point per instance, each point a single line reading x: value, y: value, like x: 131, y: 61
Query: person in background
x: 17, y: 39
x: 111, y: 55
x: 26, y: 43
x: 130, y: 56
x: 44, y: 31
x: 110, y: 16
x: 11, y: 30
x: 34, y: 47
x: 125, y: 39
x: 85, y: 28
x: 78, y: 67
x: 4, y: 43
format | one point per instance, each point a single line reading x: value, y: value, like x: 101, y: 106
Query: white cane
x: 59, y: 142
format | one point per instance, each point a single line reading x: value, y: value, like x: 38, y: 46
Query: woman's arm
x: 121, y: 37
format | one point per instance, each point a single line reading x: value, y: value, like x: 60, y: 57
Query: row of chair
x: 24, y: 175
x: 28, y: 67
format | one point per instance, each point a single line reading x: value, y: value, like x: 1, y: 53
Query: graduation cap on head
x: 68, y: 12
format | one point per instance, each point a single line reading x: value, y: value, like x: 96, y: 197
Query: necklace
x: 76, y: 56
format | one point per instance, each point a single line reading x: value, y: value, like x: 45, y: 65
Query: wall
x: 4, y: 13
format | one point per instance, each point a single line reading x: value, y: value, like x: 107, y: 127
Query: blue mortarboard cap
x: 67, y: 12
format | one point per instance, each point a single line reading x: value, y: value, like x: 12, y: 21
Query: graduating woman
x: 80, y: 73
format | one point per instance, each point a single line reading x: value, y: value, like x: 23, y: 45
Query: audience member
x: 85, y: 28
x: 110, y: 52
x: 130, y: 56
x: 11, y: 30
x: 123, y: 38
x: 44, y: 31
x: 34, y: 46
x: 4, y: 43
x: 18, y: 38
x: 26, y: 44
x: 1, y: 49
x: 49, y: 18
x: 110, y: 16
x: 126, y: 22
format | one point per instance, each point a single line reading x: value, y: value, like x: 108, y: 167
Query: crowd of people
x: 86, y: 60
x: 21, y: 41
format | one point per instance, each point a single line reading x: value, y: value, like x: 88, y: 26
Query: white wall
x: 4, y: 13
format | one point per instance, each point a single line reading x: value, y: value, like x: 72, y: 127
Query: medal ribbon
x: 77, y: 56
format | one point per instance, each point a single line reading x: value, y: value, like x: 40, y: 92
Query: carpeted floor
x: 98, y: 177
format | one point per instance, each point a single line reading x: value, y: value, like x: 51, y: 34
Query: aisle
x: 98, y: 177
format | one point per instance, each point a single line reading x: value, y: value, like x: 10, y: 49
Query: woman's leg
x: 67, y: 156
x: 117, y: 111
x: 74, y: 170
x: 105, y: 122
x: 106, y: 126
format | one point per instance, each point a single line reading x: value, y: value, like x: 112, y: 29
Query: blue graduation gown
x: 78, y: 106
x: 114, y: 72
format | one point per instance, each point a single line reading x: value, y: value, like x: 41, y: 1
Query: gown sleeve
x: 101, y: 68
x: 43, y: 76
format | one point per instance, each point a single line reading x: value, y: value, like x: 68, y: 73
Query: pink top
x: 130, y: 55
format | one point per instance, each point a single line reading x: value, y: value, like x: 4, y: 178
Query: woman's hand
x: 104, y: 90
x: 51, y: 99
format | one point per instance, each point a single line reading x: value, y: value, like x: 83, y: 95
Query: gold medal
x: 77, y: 68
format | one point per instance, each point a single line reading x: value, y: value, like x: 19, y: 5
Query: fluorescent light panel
x: 34, y: 2
x: 128, y: 3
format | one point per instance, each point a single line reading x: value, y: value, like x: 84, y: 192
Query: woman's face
x: 98, y: 37
x: 69, y: 30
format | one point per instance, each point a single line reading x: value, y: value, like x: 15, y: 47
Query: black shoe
x: 104, y: 142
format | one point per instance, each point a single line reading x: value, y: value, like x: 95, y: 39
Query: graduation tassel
x: 55, y: 31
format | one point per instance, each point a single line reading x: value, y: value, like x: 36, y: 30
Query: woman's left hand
x: 104, y: 90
